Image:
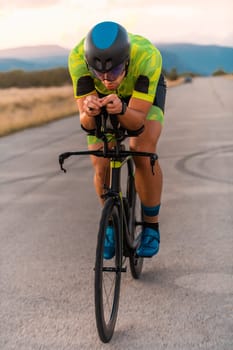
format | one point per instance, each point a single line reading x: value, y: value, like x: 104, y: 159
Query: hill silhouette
x: 197, y: 59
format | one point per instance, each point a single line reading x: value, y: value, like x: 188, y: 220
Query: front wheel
x: 108, y: 273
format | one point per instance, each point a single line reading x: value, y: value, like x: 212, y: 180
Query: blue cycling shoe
x: 149, y: 243
x: 109, y: 243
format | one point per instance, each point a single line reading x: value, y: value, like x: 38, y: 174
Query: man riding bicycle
x: 121, y: 71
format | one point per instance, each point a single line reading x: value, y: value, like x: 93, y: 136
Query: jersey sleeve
x: 149, y: 66
x: 83, y: 83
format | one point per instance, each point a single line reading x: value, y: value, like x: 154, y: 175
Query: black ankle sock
x: 153, y: 225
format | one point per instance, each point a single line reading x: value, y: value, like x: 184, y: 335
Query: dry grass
x: 229, y: 76
x: 171, y: 83
x: 23, y: 108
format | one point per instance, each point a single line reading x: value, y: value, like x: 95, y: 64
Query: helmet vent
x: 108, y: 64
x: 98, y: 64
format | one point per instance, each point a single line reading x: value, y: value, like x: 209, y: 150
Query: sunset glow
x: 64, y: 22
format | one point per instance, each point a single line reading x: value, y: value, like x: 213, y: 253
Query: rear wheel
x: 134, y: 222
x: 108, y: 274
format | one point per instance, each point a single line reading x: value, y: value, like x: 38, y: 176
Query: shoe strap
x: 156, y: 237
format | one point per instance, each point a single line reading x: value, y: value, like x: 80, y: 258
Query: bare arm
x: 89, y: 106
x: 135, y: 114
x: 133, y: 118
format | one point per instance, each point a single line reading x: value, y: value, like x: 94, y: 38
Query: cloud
x: 65, y: 22
x: 19, y: 4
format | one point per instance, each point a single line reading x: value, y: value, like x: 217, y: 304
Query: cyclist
x: 121, y: 71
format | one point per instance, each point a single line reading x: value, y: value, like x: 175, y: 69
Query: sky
x: 65, y: 22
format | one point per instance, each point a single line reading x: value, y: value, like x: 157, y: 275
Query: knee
x: 100, y: 172
x: 141, y: 163
x: 149, y: 146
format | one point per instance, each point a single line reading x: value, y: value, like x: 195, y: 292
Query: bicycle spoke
x: 108, y: 294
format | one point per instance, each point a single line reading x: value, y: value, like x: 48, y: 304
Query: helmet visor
x: 111, y: 75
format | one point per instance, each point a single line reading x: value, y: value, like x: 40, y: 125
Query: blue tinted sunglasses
x: 111, y: 75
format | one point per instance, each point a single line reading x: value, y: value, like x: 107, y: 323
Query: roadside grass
x: 31, y: 107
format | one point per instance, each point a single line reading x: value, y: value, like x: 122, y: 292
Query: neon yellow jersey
x: 141, y: 81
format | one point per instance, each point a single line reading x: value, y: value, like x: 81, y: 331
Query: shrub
x: 172, y: 75
x: 45, y: 78
x: 219, y: 72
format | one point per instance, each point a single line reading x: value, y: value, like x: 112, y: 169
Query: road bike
x: 122, y: 211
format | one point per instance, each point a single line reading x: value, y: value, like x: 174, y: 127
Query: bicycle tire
x: 134, y: 223
x: 106, y: 306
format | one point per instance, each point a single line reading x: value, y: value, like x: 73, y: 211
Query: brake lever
x: 62, y: 158
x: 153, y: 159
x: 61, y: 161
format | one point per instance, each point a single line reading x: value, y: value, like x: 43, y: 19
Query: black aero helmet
x: 106, y: 46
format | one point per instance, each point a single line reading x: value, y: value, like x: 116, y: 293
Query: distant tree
x: 189, y: 74
x: 219, y: 72
x: 172, y: 75
x: 45, y: 78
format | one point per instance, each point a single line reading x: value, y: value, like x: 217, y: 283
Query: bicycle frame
x: 115, y: 191
x: 118, y: 156
x: 120, y: 209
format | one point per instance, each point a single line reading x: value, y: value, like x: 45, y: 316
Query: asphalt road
x: 48, y: 226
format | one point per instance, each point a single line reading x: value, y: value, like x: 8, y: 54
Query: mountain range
x: 198, y: 59
x: 192, y: 58
x: 31, y: 58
